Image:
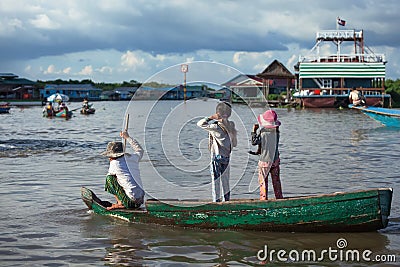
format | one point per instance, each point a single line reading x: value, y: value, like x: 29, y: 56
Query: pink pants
x: 264, y: 168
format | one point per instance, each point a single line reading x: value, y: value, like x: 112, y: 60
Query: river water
x: 44, y: 162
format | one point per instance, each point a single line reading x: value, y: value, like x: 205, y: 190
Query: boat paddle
x: 126, y: 128
x: 75, y: 109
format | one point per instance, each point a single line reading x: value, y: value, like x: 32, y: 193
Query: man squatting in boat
x: 122, y: 181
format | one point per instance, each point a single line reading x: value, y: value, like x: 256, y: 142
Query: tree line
x: 104, y: 86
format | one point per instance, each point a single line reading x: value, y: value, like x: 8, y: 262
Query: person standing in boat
x: 123, y: 179
x: 267, y: 140
x: 222, y: 138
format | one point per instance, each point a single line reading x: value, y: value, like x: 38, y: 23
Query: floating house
x: 125, y: 93
x: 15, y: 88
x: 326, y: 79
x: 277, y: 79
x: 180, y: 93
x: 246, y: 88
x: 75, y: 92
x: 223, y: 94
x: 120, y: 93
x: 171, y: 93
x: 255, y: 89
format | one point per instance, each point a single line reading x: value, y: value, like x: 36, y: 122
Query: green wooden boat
x: 359, y: 211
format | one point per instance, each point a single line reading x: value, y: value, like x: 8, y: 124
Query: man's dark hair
x: 224, y: 109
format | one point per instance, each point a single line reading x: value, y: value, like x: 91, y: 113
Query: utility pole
x: 184, y: 69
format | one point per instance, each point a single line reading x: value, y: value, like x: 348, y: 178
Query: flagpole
x: 337, y: 23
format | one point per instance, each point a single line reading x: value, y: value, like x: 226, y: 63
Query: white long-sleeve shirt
x: 221, y: 142
x: 126, y: 169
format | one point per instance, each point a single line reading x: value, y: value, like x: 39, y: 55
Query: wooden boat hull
x: 5, y: 109
x: 386, y: 116
x: 88, y: 111
x: 62, y: 114
x: 339, y: 212
x: 333, y: 101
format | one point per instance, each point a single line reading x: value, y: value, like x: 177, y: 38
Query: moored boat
x: 324, y: 81
x: 386, y: 116
x: 366, y: 210
x: 5, y: 108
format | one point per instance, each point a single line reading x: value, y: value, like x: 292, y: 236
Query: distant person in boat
x: 85, y: 104
x: 123, y: 178
x: 63, y: 107
x: 222, y: 138
x: 57, y: 105
x: 265, y: 135
x: 48, y: 109
x: 356, y: 98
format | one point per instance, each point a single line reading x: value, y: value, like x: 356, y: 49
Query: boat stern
x: 87, y: 196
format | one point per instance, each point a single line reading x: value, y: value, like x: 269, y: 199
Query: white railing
x: 339, y: 34
x: 371, y: 58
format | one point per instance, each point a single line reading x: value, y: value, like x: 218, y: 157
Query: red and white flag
x: 341, y: 22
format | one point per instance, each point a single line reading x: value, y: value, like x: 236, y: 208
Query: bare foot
x: 116, y: 206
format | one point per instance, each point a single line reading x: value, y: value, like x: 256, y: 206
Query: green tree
x: 393, y: 88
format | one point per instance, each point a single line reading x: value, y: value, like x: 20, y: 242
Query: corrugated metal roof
x: 71, y: 87
x: 19, y: 81
x: 8, y: 75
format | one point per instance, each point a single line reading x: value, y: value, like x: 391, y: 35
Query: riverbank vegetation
x: 393, y: 88
x: 102, y: 85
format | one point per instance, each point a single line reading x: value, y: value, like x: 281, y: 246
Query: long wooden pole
x: 126, y: 128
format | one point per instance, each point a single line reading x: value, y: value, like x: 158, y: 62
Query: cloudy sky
x: 123, y: 40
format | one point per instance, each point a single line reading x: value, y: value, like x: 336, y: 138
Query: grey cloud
x: 164, y: 27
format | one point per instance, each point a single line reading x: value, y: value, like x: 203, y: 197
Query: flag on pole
x: 341, y: 22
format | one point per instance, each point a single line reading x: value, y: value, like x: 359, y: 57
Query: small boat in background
x: 5, y: 107
x: 88, y: 110
x: 386, y: 116
x: 359, y: 211
x: 62, y: 112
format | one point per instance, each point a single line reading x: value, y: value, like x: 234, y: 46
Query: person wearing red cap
x: 267, y: 139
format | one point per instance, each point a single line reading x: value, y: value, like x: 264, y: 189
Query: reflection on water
x: 45, y: 162
x: 200, y: 247
x: 357, y: 136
